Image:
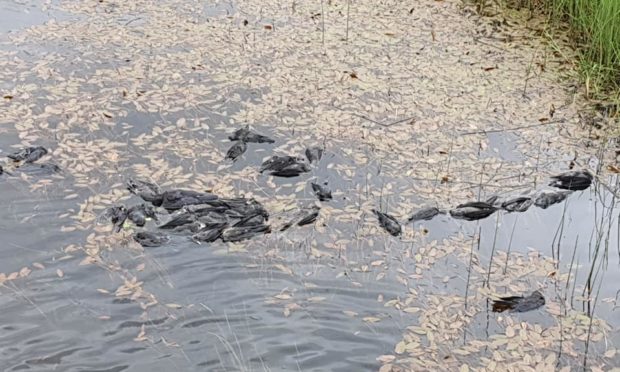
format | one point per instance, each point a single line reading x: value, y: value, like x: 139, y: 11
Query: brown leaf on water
x: 613, y: 168
x: 268, y: 27
x: 25, y: 271
x: 7, y: 96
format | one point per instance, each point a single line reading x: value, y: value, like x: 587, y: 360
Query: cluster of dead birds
x: 566, y: 183
x: 25, y: 160
x: 208, y: 217
x: 471, y: 211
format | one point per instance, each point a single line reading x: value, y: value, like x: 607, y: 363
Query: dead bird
x: 117, y: 215
x: 425, y: 214
x: 278, y: 162
x: 314, y: 154
x: 309, y: 217
x: 236, y: 150
x: 235, y: 234
x: 139, y: 213
x: 517, y: 204
x: 178, y: 220
x: 207, y: 235
x: 246, y: 135
x: 148, y: 191
x: 304, y: 217
x: 176, y: 199
x: 150, y: 239
x: 29, y: 154
x: 251, y: 220
x: 292, y: 170
x: 572, y: 180
x: 389, y: 223
x: 519, y: 304
x: 473, y: 211
x: 322, y: 192
x: 546, y: 198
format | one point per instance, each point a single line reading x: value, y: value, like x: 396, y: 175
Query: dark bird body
x: 29, y: 154
x: 208, y: 235
x: 473, y: 211
x: 139, y: 213
x: 235, y: 234
x: 518, y: 204
x: 236, y: 150
x: 292, y: 170
x: 151, y: 239
x: 424, y: 214
x: 572, y: 180
x: 519, y: 304
x: 322, y: 192
x: 276, y: 163
x: 176, y: 199
x: 309, y: 217
x: 314, y: 154
x: 247, y: 135
x: 178, y: 220
x: 148, y: 191
x: 546, y: 198
x: 117, y: 215
x: 389, y: 223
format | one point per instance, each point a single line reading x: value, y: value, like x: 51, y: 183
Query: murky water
x: 314, y: 298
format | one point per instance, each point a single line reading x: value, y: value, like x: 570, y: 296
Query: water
x: 326, y: 297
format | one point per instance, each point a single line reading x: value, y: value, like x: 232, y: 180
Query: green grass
x: 595, y: 29
x: 596, y: 26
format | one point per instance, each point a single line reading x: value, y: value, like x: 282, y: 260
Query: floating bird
x: 29, y: 154
x: 1, y: 169
x: 572, y: 180
x: 310, y: 217
x: 251, y: 220
x: 278, y: 162
x: 208, y: 235
x: 236, y: 150
x: 473, y: 211
x: 292, y: 170
x: 314, y: 154
x: 139, y: 213
x: 546, y: 198
x: 304, y: 217
x: 151, y: 239
x: 117, y: 215
x: 518, y: 204
x: 179, y: 220
x: 322, y: 192
x: 424, y: 214
x: 148, y: 191
x: 176, y: 199
x: 519, y: 304
x: 235, y: 234
x: 246, y: 135
x: 389, y: 223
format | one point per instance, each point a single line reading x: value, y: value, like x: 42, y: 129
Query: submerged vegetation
x: 595, y: 31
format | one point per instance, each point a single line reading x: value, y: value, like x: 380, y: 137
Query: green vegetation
x: 595, y: 27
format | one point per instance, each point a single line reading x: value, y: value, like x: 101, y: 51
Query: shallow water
x: 314, y: 298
